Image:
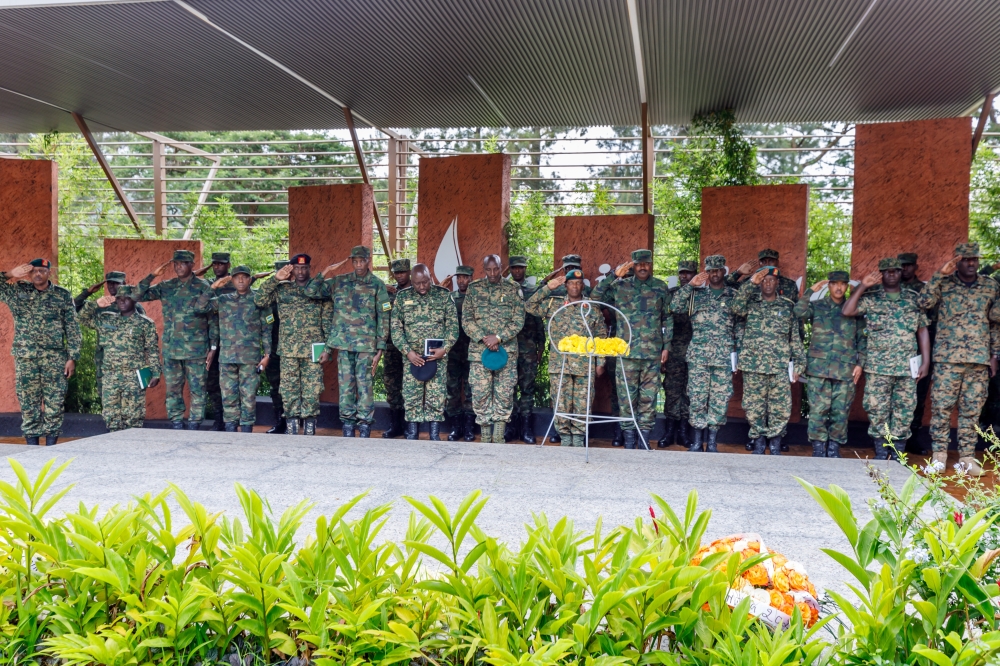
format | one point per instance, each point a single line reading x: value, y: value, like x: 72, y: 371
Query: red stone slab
x: 325, y: 222
x: 137, y: 259
x: 29, y: 205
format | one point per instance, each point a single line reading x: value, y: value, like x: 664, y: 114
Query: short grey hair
x: 421, y: 269
x: 493, y: 257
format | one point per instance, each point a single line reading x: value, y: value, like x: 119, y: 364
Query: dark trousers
x: 273, y: 374
x: 213, y: 388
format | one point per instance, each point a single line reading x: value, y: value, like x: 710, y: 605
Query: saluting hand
x: 284, y: 273
x: 329, y: 270
x: 747, y: 267
x: 94, y: 288
x: 162, y: 268
x: 105, y: 301
x: 623, y: 270
x: 699, y: 280
x: 21, y: 271
x: 819, y: 285
x: 872, y: 279
x: 222, y: 282
x: 258, y: 276
x: 758, y: 277
x: 446, y: 281
x: 201, y: 271
x: 555, y: 283
x: 950, y: 267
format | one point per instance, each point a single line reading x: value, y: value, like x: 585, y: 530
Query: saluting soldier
x: 676, y: 405
x: 273, y: 369
x: 896, y: 326
x: 45, y: 348
x: 492, y: 315
x: 530, y: 341
x: 835, y: 362
x: 220, y: 269
x: 132, y: 345
x: 304, y: 322
x: 909, y: 280
x: 392, y: 361
x: 787, y: 288
x: 459, y: 410
x: 113, y: 280
x: 190, y: 339
x: 424, y: 311
x: 644, y: 300
x: 572, y: 393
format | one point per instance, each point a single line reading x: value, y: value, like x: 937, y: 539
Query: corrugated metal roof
x: 440, y: 63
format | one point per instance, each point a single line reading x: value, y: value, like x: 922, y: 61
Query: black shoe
x: 510, y: 430
x: 555, y: 437
x: 629, y: 439
x: 193, y: 425
x: 348, y: 430
x: 881, y: 450
x: 229, y: 427
x: 309, y: 427
x: 619, y: 438
x: 819, y: 448
x: 412, y: 430
x: 456, y: 428
x: 528, y: 429
x: 434, y: 428
x: 784, y: 447
x: 775, y: 445
x: 220, y: 426
x: 832, y: 449
x: 246, y: 428
x: 695, y: 445
x: 759, y: 445
x: 50, y: 440
x: 470, y: 428
x: 683, y: 433
x: 32, y: 441
x: 177, y: 425
x: 396, y: 427
x: 293, y: 427
x: 279, y: 428
x: 646, y: 434
x: 668, y: 435
x: 364, y: 430
x: 711, y: 445
x: 750, y: 445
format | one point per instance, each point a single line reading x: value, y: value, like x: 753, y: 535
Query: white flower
x: 919, y: 555
x: 935, y: 467
x: 880, y: 505
x: 795, y: 566
x: 740, y: 546
x: 960, y: 469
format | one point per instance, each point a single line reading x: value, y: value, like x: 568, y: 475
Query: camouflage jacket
x: 43, y: 320
x: 682, y: 330
x: 416, y: 317
x: 492, y: 309
x: 361, y: 311
x: 187, y: 333
x: 462, y: 344
x: 891, y: 325
x: 88, y: 310
x: 838, y: 343
x: 391, y: 291
x: 786, y: 285
x: 964, y: 314
x: 532, y: 335
x: 244, y: 327
x: 771, y: 338
x: 304, y: 320
x: 646, y: 307
x: 568, y: 322
x: 713, y: 335
x: 81, y: 299
x: 131, y: 342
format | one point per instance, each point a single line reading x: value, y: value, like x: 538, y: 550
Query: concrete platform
x: 745, y: 493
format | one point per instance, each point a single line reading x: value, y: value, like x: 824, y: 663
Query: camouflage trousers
x: 572, y: 400
x: 459, y: 387
x: 643, y: 382
x: 175, y: 373
x: 392, y: 376
x: 99, y: 370
x: 425, y: 400
x: 123, y: 401
x: 527, y: 370
x: 273, y: 374
x: 889, y: 401
x: 767, y: 401
x: 709, y: 389
x: 829, y: 404
x: 238, y: 383
x: 965, y: 385
x: 676, y: 404
x: 493, y: 392
x: 213, y: 389
x: 40, y: 386
x: 357, y: 386
x: 301, y: 384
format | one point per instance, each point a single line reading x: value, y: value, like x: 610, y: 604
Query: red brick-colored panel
x: 464, y: 207
x: 601, y: 239
x: 29, y: 205
x: 739, y: 222
x: 325, y: 222
x: 137, y: 259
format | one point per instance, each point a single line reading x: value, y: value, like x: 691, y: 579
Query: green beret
x: 301, y: 259
x: 183, y: 255
x: 839, y: 276
x: 571, y: 260
x: 360, y: 252
x: 41, y: 263
x: 517, y: 260
x: 464, y: 270
x: 400, y: 265
x: 280, y: 263
x: 642, y: 255
x: 220, y: 257
x: 127, y: 290
x: 114, y: 276
x: 907, y: 257
x: 715, y: 261
x: 767, y: 253
x: 769, y: 270
x: 242, y: 269
x: 574, y: 274
x: 967, y: 250
x: 685, y: 265
x: 889, y: 263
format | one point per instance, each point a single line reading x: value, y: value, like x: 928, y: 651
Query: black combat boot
x: 750, y: 445
x: 280, y: 427
x: 309, y: 427
x: 364, y: 430
x: 456, y: 428
x: 668, y: 434
x: 759, y: 446
x: 881, y: 450
x: 683, y: 433
x: 775, y: 445
x: 230, y: 426
x: 177, y: 425
x: 619, y: 438
x: 32, y: 441
x: 832, y: 449
x: 528, y: 429
x: 193, y: 425
x: 819, y: 448
x: 412, y: 430
x: 470, y: 428
x: 218, y: 425
x: 645, y: 442
x: 784, y: 446
x: 712, y: 446
x: 434, y: 428
x: 293, y: 426
x: 695, y: 445
x: 51, y: 440
x: 348, y: 429
x: 510, y: 430
x: 629, y: 439
x: 246, y: 428
x: 396, y: 424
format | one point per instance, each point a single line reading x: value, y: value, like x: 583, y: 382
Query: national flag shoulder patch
x: 269, y: 319
x: 386, y: 306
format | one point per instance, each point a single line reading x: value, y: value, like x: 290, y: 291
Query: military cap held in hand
x: 183, y: 255
x: 642, y: 255
x: 242, y: 269
x: 400, y: 265
x: 361, y: 252
x: 967, y: 250
x: 518, y: 260
x: 115, y: 276
x: 889, y: 263
x: 302, y: 259
x: 220, y: 257
x: 715, y: 261
x: 907, y: 257
x: 767, y: 253
x: 686, y: 265
x: 838, y: 276
x: 464, y: 270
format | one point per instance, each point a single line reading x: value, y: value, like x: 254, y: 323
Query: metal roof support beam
x: 364, y: 175
x: 82, y: 124
x: 984, y: 118
x: 648, y: 161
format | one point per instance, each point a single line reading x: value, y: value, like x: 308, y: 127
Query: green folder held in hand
x: 145, y: 376
x: 317, y: 350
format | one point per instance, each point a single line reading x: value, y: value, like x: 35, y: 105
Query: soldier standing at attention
x: 244, y: 345
x: 572, y: 393
x: 459, y: 410
x: 676, y: 406
x: 421, y: 312
x: 132, y: 345
x: 303, y: 323
x: 190, y: 339
x: 964, y: 354
x: 273, y: 369
x: 707, y: 301
x: 767, y: 257
x: 835, y: 362
x: 530, y: 343
x: 114, y: 280
x: 896, y: 326
x: 492, y: 315
x: 770, y: 341
x: 46, y: 347
x: 908, y: 262
x: 392, y: 361
x: 219, y: 268
x: 644, y: 300
x: 358, y: 333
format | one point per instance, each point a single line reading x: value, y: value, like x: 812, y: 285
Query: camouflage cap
x: 967, y: 250
x: 301, y: 260
x: 280, y: 263
x: 907, y: 257
x: 889, y: 263
x: 517, y: 260
x: 715, y: 261
x: 127, y: 290
x: 464, y: 270
x: 571, y: 260
x: 242, y: 269
x: 41, y: 263
x: 400, y: 265
x: 838, y: 276
x: 767, y: 253
x: 114, y: 276
x: 574, y: 274
x: 642, y: 255
x: 183, y: 255
x: 685, y: 265
x: 220, y: 257
x: 360, y: 252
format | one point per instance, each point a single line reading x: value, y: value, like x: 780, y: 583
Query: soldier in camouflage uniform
x: 895, y: 326
x: 676, y: 406
x: 131, y: 345
x: 358, y: 333
x: 770, y: 341
x: 190, y: 339
x: 113, y: 279
x: 766, y: 257
x: 569, y: 262
x: 644, y: 300
x: 707, y: 302
x: 835, y: 361
x: 964, y: 352
x: 573, y: 391
x: 459, y: 409
x: 273, y: 369
x: 392, y: 361
x: 213, y: 390
x: 304, y: 322
x: 244, y: 345
x: 530, y: 343
x: 424, y: 311
x: 908, y: 262
x: 46, y: 347
x: 492, y: 315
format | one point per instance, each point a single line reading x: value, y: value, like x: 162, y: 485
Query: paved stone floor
x: 745, y: 493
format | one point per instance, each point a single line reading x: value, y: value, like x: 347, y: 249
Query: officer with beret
x: 459, y: 409
x: 530, y: 345
x: 113, y: 280
x: 676, y: 406
x: 392, y: 361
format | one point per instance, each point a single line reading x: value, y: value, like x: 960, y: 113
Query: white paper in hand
x: 791, y: 371
x: 734, y: 357
x: 915, y: 363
